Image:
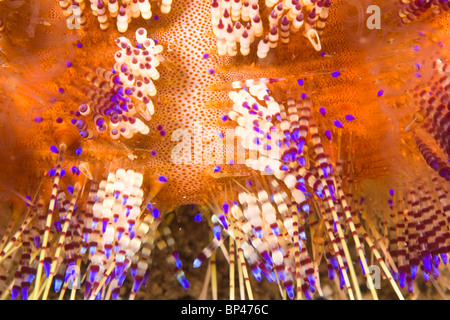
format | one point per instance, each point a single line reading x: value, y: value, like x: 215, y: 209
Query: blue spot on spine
x: 197, y: 263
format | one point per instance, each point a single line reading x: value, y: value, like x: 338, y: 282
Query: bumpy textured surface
x: 187, y: 99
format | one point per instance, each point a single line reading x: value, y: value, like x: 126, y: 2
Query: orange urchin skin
x: 187, y: 99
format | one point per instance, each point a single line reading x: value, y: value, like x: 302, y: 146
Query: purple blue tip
x: 338, y: 124
x: 197, y: 263
x: 183, y: 281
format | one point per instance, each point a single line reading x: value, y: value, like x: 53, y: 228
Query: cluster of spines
x: 419, y: 235
x: 434, y: 111
x: 413, y: 9
x: 237, y: 21
x: 107, y: 10
x: 107, y: 230
x: 264, y: 223
x: 433, y: 160
x: 116, y: 96
x: 278, y: 134
x: 264, y: 217
x: 304, y: 186
x: 113, y: 234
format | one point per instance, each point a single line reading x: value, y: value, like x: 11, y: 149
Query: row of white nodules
x: 246, y: 122
x: 142, y: 73
x: 245, y: 129
x: 136, y: 69
x: 128, y: 185
x: 136, y: 60
x: 124, y: 11
x: 229, y: 31
x: 134, y: 10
